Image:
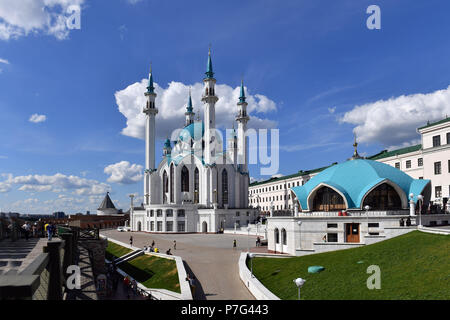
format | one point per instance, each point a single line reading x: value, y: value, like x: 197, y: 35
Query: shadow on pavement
x: 199, y: 293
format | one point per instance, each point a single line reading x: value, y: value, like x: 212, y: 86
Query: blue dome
x: 353, y: 179
x: 194, y: 130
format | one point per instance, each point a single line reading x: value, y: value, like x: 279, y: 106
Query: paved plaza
x: 210, y: 257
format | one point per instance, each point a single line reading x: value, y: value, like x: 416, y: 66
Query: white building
x: 198, y: 186
x: 428, y: 160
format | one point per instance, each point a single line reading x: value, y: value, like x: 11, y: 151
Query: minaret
x: 189, y: 111
x: 167, y: 149
x: 209, y: 99
x: 232, y: 147
x: 242, y: 119
x: 150, y: 112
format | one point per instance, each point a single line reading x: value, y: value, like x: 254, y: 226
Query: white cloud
x: 36, y: 118
x: 4, y: 61
x: 171, y: 103
x: 124, y: 173
x: 393, y: 122
x: 20, y: 18
x: 332, y: 110
x: 56, y: 183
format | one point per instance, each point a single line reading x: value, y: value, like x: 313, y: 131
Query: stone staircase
x: 15, y: 256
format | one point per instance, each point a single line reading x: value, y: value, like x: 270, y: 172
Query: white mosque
x: 198, y: 186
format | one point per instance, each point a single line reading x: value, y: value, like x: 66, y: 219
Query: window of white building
x: 436, y: 141
x: 437, y: 191
x: 408, y: 164
x: 420, y: 162
x: 437, y: 167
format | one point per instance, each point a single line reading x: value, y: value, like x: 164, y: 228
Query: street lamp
x: 299, y: 282
x: 300, y: 235
x: 367, y: 208
x: 248, y: 239
x: 420, y: 198
x: 251, y: 256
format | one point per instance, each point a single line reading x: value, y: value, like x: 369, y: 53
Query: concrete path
x: 210, y: 257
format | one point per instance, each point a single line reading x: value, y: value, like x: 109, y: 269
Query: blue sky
x: 313, y: 69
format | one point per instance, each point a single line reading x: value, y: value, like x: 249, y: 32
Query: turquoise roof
x: 194, y: 130
x: 189, y: 105
x: 167, y: 143
x: 150, y: 88
x: 242, y: 95
x: 354, y: 178
x: 209, y: 69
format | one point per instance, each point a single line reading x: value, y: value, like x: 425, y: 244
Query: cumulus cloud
x: 36, y: 118
x: 124, y: 173
x: 56, y: 183
x: 171, y: 103
x: 393, y: 122
x: 20, y: 18
x: 4, y: 61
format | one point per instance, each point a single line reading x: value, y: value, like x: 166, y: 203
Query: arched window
x: 196, y: 186
x: 172, y: 176
x: 283, y: 237
x: 224, y: 186
x: 165, y: 186
x: 277, y: 236
x: 326, y: 199
x: 383, y: 197
x: 184, y: 180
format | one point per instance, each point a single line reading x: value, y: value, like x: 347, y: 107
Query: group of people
x: 152, y: 247
x: 130, y: 287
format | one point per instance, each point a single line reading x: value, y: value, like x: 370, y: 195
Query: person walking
x: 234, y: 243
x: 131, y: 240
x: 153, y: 243
x: 174, y: 245
x: 26, y: 229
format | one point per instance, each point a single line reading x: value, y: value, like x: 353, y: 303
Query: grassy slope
x: 413, y: 266
x: 151, y: 271
x: 115, y: 250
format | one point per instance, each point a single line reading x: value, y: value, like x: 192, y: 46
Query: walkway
x: 210, y: 257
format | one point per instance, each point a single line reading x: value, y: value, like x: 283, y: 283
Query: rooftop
x: 447, y: 119
x: 396, y: 152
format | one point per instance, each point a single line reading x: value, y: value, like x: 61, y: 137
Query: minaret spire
x: 150, y: 88
x: 189, y: 111
x: 209, y: 68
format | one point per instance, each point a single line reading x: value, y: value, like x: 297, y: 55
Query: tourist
x: 168, y: 252
x: 26, y: 228
x: 34, y: 230
x: 134, y: 287
x: 153, y: 243
x: 258, y: 241
x: 131, y: 240
x: 126, y: 284
x: 50, y: 231
x: 156, y: 250
x: 174, y: 245
x: 234, y: 243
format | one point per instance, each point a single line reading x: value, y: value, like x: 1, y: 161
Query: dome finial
x: 355, y: 153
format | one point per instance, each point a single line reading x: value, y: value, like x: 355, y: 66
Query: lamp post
x: 299, y: 234
x: 367, y: 208
x: 299, y: 282
x: 131, y: 210
x: 420, y: 198
x: 248, y: 239
x: 251, y: 256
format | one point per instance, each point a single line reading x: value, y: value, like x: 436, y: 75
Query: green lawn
x: 153, y: 272
x: 114, y: 251
x: 413, y: 266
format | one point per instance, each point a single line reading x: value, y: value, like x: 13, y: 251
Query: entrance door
x: 204, y: 227
x: 352, y: 232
